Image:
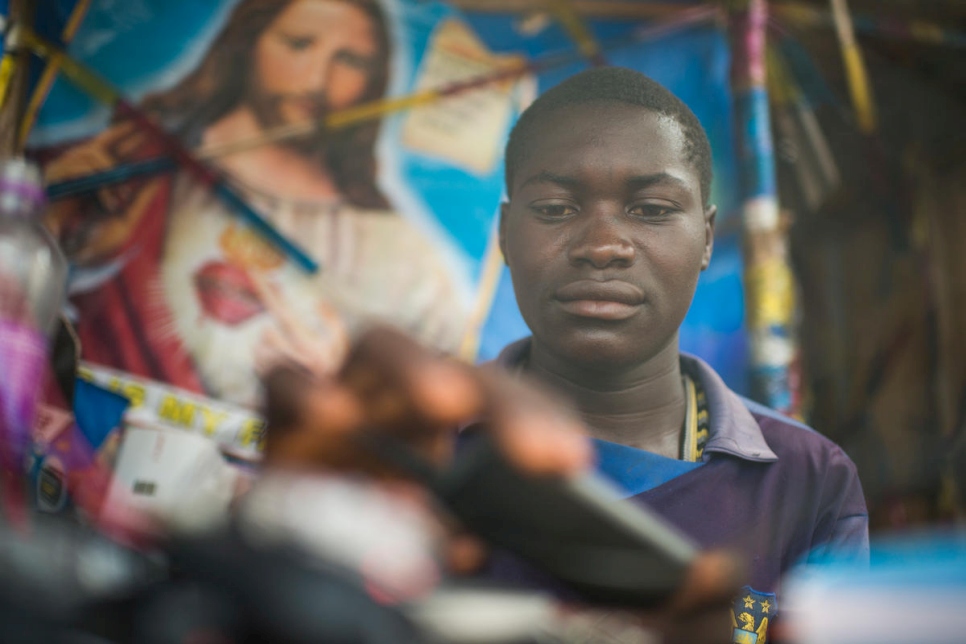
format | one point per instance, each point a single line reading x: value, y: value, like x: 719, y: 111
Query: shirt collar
x: 733, y: 430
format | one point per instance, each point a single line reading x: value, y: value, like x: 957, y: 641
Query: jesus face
x: 316, y: 56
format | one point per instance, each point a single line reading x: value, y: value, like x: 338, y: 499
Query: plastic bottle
x: 33, y: 276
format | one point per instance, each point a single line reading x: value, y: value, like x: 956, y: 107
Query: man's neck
x: 641, y: 407
x: 274, y: 169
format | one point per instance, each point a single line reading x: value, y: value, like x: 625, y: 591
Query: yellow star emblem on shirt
x: 749, y: 602
x: 765, y: 606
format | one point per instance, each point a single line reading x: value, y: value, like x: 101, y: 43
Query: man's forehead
x: 585, y: 123
x: 633, y: 178
x: 624, y: 139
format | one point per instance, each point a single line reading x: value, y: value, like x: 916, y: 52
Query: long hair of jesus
x: 219, y: 83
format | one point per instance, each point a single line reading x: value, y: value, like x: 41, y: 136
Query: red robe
x: 120, y: 325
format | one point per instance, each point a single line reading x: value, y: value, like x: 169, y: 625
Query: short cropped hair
x: 612, y: 84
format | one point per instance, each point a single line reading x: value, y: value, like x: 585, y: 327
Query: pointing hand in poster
x: 319, y: 348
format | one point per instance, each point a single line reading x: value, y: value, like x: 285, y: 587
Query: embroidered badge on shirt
x: 752, y: 612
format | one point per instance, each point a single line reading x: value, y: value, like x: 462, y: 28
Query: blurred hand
x: 391, y: 384
x: 701, y: 611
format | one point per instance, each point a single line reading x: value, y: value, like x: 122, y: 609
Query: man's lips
x: 227, y: 293
x: 607, y: 300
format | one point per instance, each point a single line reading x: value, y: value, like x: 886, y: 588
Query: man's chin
x: 603, y: 349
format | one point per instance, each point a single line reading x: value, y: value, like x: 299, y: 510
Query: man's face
x: 605, y: 234
x: 317, y: 55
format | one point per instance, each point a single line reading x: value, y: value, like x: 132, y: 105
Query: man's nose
x: 602, y: 240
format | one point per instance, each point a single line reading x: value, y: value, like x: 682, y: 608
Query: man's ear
x: 504, y: 207
x: 709, y: 216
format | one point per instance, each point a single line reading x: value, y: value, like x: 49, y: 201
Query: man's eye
x: 555, y: 211
x: 652, y: 211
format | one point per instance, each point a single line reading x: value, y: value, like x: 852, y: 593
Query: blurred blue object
x: 913, y: 591
x: 97, y: 411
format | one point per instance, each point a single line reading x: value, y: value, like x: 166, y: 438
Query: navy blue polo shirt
x: 768, y: 487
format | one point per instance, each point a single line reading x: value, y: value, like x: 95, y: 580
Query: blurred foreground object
x: 173, y: 475
x: 387, y: 535
x: 914, y: 591
x: 391, y: 414
x: 66, y: 584
x: 57, y: 577
x: 72, y: 442
x: 33, y: 274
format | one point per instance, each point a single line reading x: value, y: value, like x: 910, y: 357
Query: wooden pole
x: 613, y: 9
x: 769, y: 285
x: 15, y: 97
x: 855, y: 73
x: 49, y: 75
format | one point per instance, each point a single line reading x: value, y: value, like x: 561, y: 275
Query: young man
x: 606, y: 230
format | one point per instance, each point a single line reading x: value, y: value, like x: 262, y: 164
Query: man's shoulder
x: 814, y: 479
x: 796, y: 444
